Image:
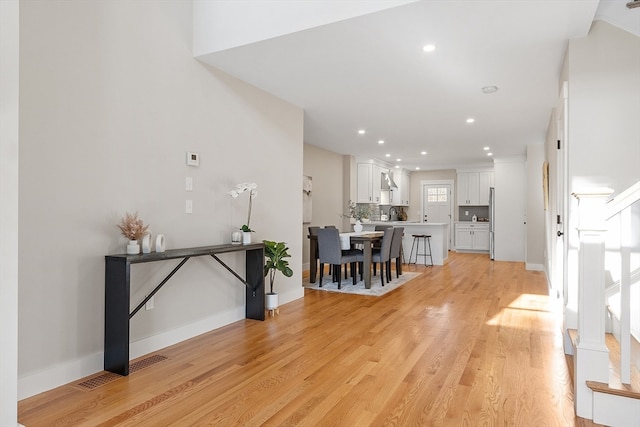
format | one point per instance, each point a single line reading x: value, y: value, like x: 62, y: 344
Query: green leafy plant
x: 358, y: 211
x: 276, y: 254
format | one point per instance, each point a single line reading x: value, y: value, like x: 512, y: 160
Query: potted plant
x: 239, y: 189
x: 360, y: 212
x: 275, y: 253
x: 133, y: 229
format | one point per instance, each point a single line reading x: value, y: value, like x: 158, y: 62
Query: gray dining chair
x: 313, y: 231
x: 329, y: 252
x: 396, y: 252
x: 381, y: 256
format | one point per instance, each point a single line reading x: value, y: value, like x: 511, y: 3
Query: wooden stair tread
x: 573, y: 334
x: 619, y: 390
x: 615, y: 386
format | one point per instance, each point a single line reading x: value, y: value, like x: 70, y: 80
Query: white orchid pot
x: 271, y: 301
x: 246, y: 237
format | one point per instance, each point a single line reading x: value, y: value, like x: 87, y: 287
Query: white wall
x: 510, y: 204
x: 326, y: 170
x: 220, y: 24
x: 604, y: 101
x: 111, y: 100
x: 9, y: 86
x: 535, y: 208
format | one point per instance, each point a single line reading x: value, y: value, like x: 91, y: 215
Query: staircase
x: 606, y: 349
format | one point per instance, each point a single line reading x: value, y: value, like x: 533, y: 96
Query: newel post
x: 592, y: 355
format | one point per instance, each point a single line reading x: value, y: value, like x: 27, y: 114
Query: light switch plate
x: 189, y: 183
x: 189, y: 206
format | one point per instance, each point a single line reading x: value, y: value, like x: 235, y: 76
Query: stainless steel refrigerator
x: 492, y: 221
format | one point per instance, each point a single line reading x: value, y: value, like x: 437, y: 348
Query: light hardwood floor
x: 473, y: 342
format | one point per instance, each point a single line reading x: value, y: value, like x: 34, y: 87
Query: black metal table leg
x: 116, y: 316
x: 254, y: 304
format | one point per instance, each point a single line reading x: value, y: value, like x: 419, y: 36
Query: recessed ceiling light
x: 424, y: 153
x: 398, y: 160
x: 486, y: 148
x: 417, y: 168
x: 362, y: 131
x: 429, y: 47
x: 489, y: 89
x: 489, y: 154
x: 397, y: 166
x: 387, y: 155
x: 381, y: 141
x: 471, y: 120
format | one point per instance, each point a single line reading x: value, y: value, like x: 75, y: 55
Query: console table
x: 118, y: 292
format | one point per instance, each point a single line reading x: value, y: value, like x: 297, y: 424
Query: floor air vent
x: 107, y: 377
x: 145, y: 363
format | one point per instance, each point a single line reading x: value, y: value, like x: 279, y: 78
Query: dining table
x: 364, y: 238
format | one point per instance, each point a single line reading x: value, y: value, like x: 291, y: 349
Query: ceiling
x: 371, y: 73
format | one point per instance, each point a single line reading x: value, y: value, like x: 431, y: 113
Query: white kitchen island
x: 439, y: 233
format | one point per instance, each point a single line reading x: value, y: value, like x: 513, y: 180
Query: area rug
x: 347, y: 286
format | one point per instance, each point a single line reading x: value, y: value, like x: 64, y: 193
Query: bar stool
x: 426, y: 240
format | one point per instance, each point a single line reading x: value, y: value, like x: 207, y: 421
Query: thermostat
x: 193, y: 159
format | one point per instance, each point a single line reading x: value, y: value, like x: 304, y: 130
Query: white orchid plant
x: 252, y: 188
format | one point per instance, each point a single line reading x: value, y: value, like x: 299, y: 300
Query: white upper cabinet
x: 473, y: 188
x: 400, y: 197
x: 485, y: 181
x: 376, y: 179
x: 364, y: 191
x: 368, y: 185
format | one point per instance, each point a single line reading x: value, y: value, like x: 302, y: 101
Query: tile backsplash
x: 465, y: 213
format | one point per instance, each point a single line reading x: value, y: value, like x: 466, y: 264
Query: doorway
x: 437, y: 203
x: 560, y: 279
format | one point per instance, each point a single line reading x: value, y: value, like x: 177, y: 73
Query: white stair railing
x: 625, y: 209
x: 591, y: 359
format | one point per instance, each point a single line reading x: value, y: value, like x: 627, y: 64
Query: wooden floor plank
x: 472, y: 342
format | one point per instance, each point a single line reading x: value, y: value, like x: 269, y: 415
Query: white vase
x: 133, y: 248
x: 236, y: 237
x: 246, y: 237
x: 160, y: 243
x: 357, y: 227
x: 146, y: 244
x: 271, y: 301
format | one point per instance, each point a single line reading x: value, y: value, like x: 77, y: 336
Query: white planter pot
x: 133, y: 248
x: 357, y: 227
x: 271, y: 301
x: 246, y: 237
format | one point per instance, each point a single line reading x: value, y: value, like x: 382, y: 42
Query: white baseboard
x: 534, y: 267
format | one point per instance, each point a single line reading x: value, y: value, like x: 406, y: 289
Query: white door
x: 437, y: 204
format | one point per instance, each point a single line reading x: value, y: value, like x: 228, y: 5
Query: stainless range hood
x: 387, y: 182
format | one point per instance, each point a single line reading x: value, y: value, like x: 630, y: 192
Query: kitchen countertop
x: 405, y: 223
x: 439, y: 232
